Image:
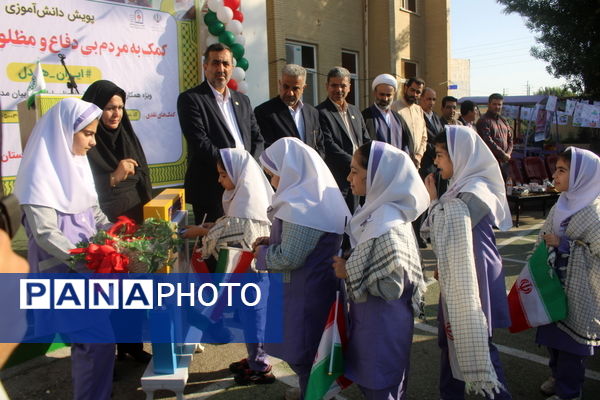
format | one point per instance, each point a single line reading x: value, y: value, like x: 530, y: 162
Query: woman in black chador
x: 120, y: 170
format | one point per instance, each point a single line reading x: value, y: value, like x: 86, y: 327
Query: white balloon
x: 214, y: 5
x: 211, y: 39
x: 234, y: 26
x: 238, y: 74
x: 241, y: 39
x: 225, y: 14
x: 203, y: 30
x: 243, y: 87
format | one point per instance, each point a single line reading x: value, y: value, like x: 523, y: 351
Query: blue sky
x: 498, y: 46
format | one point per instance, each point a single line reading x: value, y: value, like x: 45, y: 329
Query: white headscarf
x: 252, y: 193
x: 476, y: 171
x: 395, y: 194
x: 50, y: 174
x: 584, y: 186
x: 307, y: 194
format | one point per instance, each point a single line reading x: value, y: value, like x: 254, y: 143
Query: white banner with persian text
x: 133, y: 46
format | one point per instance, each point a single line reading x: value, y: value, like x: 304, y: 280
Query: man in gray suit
x: 343, y: 129
x: 286, y: 114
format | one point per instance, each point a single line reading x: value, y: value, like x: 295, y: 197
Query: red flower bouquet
x: 126, y: 247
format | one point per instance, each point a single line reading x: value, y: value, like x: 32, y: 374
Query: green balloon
x: 216, y: 28
x: 210, y: 18
x: 243, y: 64
x: 227, y: 38
x: 237, y: 50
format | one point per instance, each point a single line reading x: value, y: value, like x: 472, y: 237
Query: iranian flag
x: 327, y: 372
x: 537, y: 297
x: 232, y: 260
x: 197, y: 262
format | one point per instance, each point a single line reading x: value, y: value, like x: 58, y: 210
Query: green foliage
x: 557, y: 91
x: 153, y: 245
x: 568, y: 33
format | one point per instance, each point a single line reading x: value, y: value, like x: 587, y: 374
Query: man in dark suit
x: 343, y: 129
x: 434, y: 126
x: 383, y: 123
x: 286, y: 114
x: 213, y: 117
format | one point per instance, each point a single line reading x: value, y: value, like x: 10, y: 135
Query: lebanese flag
x: 327, y: 373
x: 537, y: 297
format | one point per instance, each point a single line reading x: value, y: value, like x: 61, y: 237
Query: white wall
x: 255, y: 30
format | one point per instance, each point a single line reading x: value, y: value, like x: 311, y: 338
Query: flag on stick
x: 36, y: 86
x: 232, y: 260
x: 327, y: 373
x: 537, y: 297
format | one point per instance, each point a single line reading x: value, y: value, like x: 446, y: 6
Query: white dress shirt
x: 226, y: 106
x: 298, y: 119
x: 349, y: 129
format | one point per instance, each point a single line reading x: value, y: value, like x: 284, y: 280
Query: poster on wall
x: 578, y: 114
x: 542, y: 124
x: 133, y: 43
x: 591, y: 116
x: 570, y: 107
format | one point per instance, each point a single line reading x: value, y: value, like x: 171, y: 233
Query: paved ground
x: 524, y: 363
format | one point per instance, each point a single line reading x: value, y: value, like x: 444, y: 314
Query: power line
x: 497, y: 52
x: 500, y: 64
x: 508, y: 58
x: 505, y: 42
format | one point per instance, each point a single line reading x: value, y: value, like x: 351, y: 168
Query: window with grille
x: 306, y: 56
x: 350, y: 62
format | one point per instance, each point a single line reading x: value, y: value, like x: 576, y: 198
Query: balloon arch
x: 224, y: 22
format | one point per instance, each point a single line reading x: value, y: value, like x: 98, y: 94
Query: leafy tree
x: 568, y: 36
x: 555, y: 91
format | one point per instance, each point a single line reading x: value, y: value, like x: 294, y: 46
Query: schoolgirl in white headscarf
x: 245, y: 204
x: 50, y: 174
x: 307, y: 193
x: 55, y: 185
x: 56, y: 189
x: 474, y: 172
x: 246, y: 198
x: 473, y: 291
x: 584, y: 185
x: 383, y: 274
x: 309, y: 214
x: 572, y: 233
x: 395, y: 196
